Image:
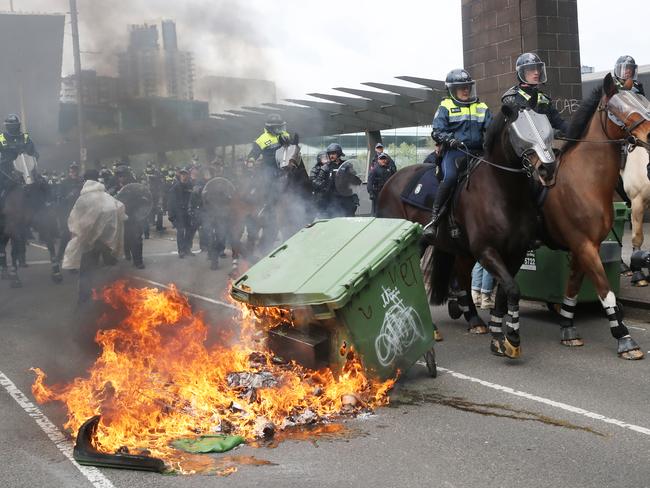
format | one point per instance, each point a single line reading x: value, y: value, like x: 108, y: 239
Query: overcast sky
x: 305, y: 46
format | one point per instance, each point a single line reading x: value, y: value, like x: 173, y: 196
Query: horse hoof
x: 437, y: 336
x: 572, y: 342
x: 640, y: 283
x: 479, y: 329
x: 634, y: 355
x: 495, y: 348
x: 509, y: 349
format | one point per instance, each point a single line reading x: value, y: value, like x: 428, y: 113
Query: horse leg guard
x: 568, y: 333
x: 627, y: 347
x: 15, y: 279
x: 511, y: 343
x: 476, y: 325
x: 495, y: 325
x: 57, y: 277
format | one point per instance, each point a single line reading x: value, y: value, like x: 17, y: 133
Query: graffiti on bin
x: 401, y: 328
x: 403, y: 273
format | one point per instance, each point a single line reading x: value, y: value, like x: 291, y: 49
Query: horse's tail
x: 441, y: 267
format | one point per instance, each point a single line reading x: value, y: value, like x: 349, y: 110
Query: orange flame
x: 155, y: 380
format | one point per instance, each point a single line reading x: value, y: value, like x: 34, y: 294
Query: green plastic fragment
x: 208, y: 443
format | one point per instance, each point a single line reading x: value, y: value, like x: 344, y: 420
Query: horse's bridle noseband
x: 630, y: 138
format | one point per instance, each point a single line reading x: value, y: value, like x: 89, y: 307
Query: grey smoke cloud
x: 219, y: 33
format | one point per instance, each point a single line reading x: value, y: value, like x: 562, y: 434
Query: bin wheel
x: 454, y: 309
x: 430, y: 360
x: 554, y: 307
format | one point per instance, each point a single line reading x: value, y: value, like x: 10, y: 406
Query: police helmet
x: 12, y: 125
x: 321, y: 157
x: 625, y: 68
x: 458, y: 79
x: 122, y: 170
x: 531, y: 70
x: 335, y: 148
x: 274, y: 124
x: 74, y: 166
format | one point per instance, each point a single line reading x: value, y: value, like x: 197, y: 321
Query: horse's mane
x: 580, y: 119
x: 494, y: 130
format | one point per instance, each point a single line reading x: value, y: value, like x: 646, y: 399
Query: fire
x: 155, y: 379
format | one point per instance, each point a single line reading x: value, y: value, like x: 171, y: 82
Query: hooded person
x: 96, y: 223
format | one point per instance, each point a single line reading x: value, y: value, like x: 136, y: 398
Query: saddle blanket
x: 421, y: 190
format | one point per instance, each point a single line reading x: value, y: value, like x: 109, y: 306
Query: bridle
x: 629, y: 138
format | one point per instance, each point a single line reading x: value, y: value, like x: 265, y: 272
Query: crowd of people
x: 458, y: 126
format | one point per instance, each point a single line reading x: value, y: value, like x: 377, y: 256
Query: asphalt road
x: 557, y: 417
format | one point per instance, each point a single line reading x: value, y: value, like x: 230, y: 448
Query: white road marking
x: 96, y: 478
x: 547, y: 401
x: 44, y: 248
x: 184, y: 292
x: 636, y: 328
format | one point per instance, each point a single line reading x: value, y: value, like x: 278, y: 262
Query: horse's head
x: 288, y: 156
x: 629, y: 112
x: 529, y: 137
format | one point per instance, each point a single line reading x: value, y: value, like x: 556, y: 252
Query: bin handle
x: 243, y: 278
x: 278, y: 251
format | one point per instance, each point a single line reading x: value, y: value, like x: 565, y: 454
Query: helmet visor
x: 276, y: 129
x: 462, y: 92
x: 625, y: 71
x: 532, y: 73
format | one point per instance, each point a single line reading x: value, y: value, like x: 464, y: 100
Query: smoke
x: 218, y: 32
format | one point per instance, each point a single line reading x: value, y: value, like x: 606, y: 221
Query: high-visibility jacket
x: 463, y: 122
x: 266, y: 145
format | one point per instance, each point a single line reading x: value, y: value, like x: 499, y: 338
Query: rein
x: 495, y: 165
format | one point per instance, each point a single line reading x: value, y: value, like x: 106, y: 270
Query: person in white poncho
x: 96, y: 223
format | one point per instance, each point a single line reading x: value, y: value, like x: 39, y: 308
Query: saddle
x: 421, y: 190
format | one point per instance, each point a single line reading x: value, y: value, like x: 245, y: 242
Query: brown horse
x: 496, y: 215
x: 578, y: 210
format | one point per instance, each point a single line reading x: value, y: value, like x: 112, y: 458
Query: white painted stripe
x: 636, y: 328
x: 549, y: 402
x: 200, y: 297
x: 94, y: 475
x: 44, y: 248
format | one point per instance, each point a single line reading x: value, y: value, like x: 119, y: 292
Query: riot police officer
x: 323, y: 180
x: 13, y: 143
x: 531, y: 73
x: 458, y: 125
x: 269, y: 142
x: 624, y: 69
x: 178, y: 210
x: 67, y: 194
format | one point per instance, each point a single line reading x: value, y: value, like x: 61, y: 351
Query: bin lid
x: 326, y: 262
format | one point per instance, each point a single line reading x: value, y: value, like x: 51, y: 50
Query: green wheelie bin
x: 545, y: 272
x: 350, y: 284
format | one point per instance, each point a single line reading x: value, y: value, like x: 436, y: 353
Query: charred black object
x: 86, y: 454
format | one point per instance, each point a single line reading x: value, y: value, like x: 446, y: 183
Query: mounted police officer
x: 13, y: 143
x: 269, y: 142
x: 624, y: 69
x: 458, y: 125
x: 531, y: 72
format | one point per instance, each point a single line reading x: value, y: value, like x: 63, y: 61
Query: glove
x: 455, y: 143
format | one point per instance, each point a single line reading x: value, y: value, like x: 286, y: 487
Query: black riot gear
x: 12, y: 125
x: 335, y: 148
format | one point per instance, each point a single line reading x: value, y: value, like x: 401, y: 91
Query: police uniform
x: 530, y: 96
x: 462, y: 122
x: 266, y: 145
x: 10, y: 148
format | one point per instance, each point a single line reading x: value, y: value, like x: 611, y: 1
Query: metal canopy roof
x: 387, y: 106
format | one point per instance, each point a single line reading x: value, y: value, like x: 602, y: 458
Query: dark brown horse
x: 578, y: 210
x: 496, y: 214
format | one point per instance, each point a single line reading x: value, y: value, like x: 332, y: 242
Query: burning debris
x: 155, y: 381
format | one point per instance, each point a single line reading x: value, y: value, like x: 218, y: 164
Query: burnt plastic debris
x: 86, y: 454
